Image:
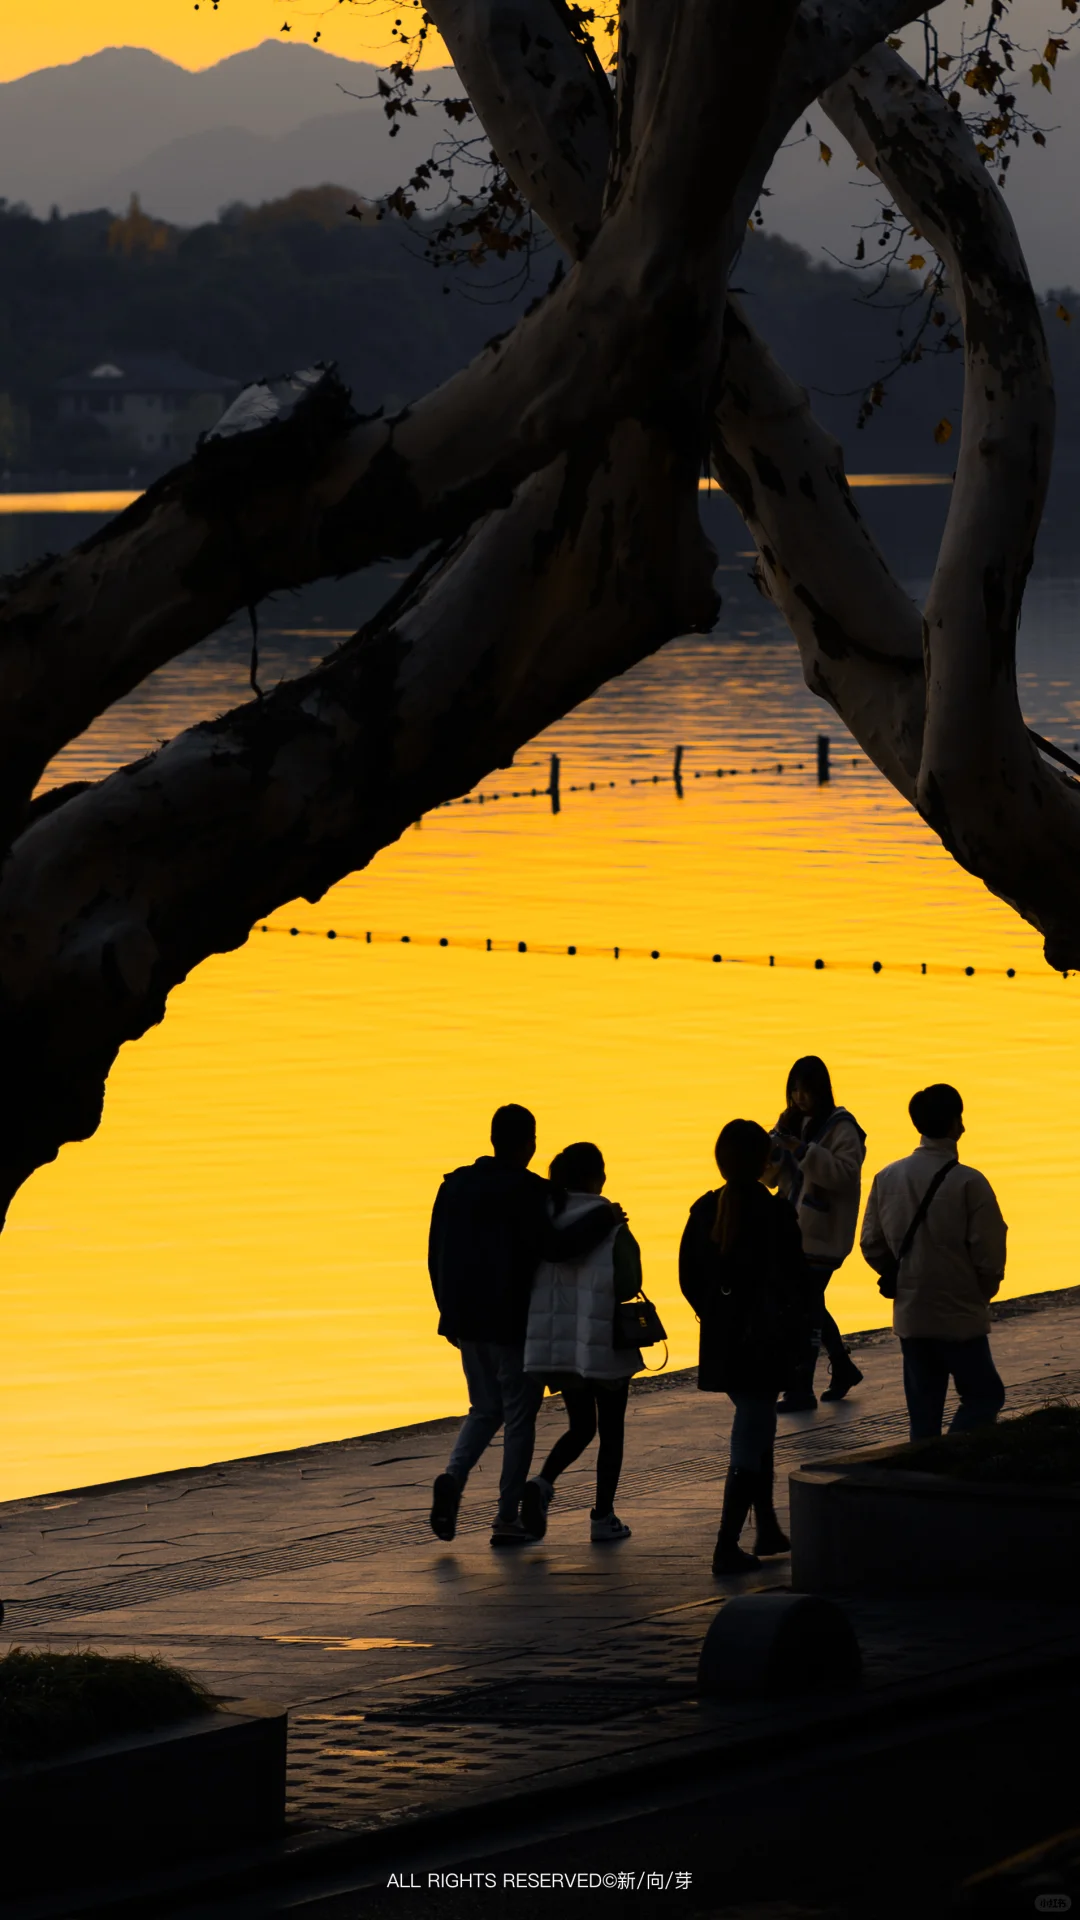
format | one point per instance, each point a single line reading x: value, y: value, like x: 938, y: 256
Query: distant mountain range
x: 278, y: 117
x: 251, y: 128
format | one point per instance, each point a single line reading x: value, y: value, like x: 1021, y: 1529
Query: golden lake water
x: 236, y: 1262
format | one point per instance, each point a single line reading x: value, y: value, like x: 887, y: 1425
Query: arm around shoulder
x: 575, y: 1241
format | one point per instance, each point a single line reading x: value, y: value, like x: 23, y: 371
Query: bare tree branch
x: 548, y: 111
x: 1001, y: 811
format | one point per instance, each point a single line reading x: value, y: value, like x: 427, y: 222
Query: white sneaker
x: 606, y: 1526
x: 535, y: 1501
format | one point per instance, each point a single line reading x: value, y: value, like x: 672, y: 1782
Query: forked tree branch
x: 598, y: 558
x: 326, y: 493
x: 323, y: 493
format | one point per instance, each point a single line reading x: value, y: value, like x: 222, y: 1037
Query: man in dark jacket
x: 490, y: 1228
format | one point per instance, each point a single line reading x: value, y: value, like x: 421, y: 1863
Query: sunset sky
x: 193, y: 36
x: 197, y: 36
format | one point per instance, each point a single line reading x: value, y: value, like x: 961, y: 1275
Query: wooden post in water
x: 678, y: 771
x: 822, y: 759
x: 553, y: 783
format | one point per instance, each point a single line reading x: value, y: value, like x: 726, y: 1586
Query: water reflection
x: 236, y: 1261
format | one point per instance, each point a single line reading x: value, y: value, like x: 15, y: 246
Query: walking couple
x: 527, y: 1274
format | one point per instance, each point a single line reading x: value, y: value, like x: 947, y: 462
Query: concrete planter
x: 209, y: 1784
x: 857, y: 1526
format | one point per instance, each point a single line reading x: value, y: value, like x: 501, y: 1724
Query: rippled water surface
x: 236, y: 1261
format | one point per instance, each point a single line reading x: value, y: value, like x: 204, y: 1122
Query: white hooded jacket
x: 827, y: 1195
x: 572, y: 1312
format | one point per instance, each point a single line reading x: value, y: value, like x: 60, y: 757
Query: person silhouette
x: 570, y: 1346
x: 743, y: 1270
x: 952, y: 1266
x: 816, y: 1161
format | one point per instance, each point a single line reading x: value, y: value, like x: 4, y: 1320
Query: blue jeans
x: 753, y: 1432
x: 927, y: 1367
x: 501, y: 1394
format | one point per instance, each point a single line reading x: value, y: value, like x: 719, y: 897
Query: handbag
x: 889, y: 1275
x: 637, y: 1323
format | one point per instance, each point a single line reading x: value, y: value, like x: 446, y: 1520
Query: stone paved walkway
x: 420, y: 1674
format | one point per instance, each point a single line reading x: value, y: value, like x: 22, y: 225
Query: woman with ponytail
x: 742, y: 1268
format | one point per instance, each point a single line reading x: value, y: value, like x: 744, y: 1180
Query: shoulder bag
x: 889, y: 1276
x: 637, y: 1323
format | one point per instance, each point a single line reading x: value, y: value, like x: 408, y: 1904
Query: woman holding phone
x: 816, y: 1161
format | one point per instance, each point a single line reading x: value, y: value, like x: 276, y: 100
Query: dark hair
x: 935, y: 1109
x: 741, y: 1155
x: 577, y: 1166
x: 813, y: 1074
x: 742, y: 1151
x: 512, y: 1128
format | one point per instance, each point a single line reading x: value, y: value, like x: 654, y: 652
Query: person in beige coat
x: 946, y: 1281
x: 816, y: 1161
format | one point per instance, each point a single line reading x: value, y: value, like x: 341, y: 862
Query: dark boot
x: 799, y: 1395
x: 770, y: 1537
x: 845, y: 1375
x: 728, y: 1556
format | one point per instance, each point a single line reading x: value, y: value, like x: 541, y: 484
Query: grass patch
x: 1041, y: 1447
x: 53, y: 1703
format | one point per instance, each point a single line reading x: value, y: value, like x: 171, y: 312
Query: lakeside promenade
x: 423, y: 1678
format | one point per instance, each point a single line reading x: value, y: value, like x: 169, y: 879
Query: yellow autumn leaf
x: 1040, y: 76
x: 916, y: 261
x: 1064, y: 314
x: 826, y: 152
x: 943, y: 432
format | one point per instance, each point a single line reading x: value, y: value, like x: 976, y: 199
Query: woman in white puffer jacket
x: 570, y: 1345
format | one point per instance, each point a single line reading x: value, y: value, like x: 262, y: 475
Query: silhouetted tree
x: 551, y: 487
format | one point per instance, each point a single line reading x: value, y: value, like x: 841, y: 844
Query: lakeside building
x: 148, y: 403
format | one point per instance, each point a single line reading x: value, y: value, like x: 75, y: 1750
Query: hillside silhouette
x: 251, y: 127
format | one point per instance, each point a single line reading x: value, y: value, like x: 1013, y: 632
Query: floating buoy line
x: 577, y: 951
x: 771, y: 763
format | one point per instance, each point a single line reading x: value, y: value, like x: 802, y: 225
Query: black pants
x: 593, y: 1407
x: 826, y: 1333
x: 831, y: 1337
x: 927, y: 1366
